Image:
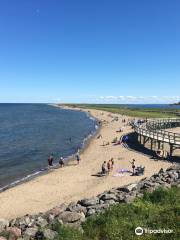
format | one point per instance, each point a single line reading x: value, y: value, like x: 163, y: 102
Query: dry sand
x: 76, y: 181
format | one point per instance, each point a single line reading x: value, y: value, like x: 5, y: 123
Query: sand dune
x: 76, y: 181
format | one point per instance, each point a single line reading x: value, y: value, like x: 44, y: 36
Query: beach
x: 74, y: 182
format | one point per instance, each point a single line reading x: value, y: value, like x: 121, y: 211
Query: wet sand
x: 75, y: 182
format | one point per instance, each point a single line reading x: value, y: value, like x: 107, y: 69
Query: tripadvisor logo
x: 139, y: 231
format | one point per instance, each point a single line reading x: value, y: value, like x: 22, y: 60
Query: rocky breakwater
x: 40, y: 226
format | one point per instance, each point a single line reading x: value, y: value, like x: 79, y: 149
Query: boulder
x: 70, y: 217
x: 76, y: 208
x: 50, y: 234
x: 3, y: 224
x: 30, y: 232
x: 14, y: 231
x: 57, y: 210
x: 108, y: 196
x: 89, y: 202
x: 129, y: 198
x: 110, y: 202
x: 128, y: 188
x: 41, y: 222
x: 3, y: 238
x: 90, y: 212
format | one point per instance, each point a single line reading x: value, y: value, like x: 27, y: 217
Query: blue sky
x: 124, y: 51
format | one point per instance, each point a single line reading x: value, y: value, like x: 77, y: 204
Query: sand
x: 75, y: 182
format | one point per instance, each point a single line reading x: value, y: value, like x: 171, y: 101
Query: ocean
x: 29, y: 133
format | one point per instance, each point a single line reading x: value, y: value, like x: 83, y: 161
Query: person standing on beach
x: 112, y: 163
x: 78, y: 157
x: 133, y: 166
x: 61, y: 162
x: 50, y: 160
x: 104, y: 171
x: 109, y: 166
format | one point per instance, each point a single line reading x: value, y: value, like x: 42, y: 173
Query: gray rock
x: 69, y: 217
x: 98, y: 207
x: 110, y: 202
x: 129, y: 198
x: 76, y: 208
x: 109, y: 196
x: 3, y: 224
x: 57, y: 210
x: 30, y: 232
x: 90, y: 212
x: 50, y: 234
x: 89, y: 202
x: 41, y: 222
x: 128, y: 188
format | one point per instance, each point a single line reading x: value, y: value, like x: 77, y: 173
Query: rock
x: 161, y: 171
x: 23, y: 222
x: 129, y: 198
x: 41, y: 222
x: 39, y: 235
x: 69, y: 217
x: 89, y: 202
x: 109, y: 196
x: 110, y: 202
x: 99, y: 206
x: 57, y: 210
x: 90, y: 212
x: 3, y: 238
x: 76, y: 208
x: 3, y: 224
x: 15, y: 231
x: 50, y: 234
x: 128, y: 188
x: 30, y: 232
x: 50, y: 218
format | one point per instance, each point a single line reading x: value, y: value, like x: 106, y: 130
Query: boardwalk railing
x: 154, y: 129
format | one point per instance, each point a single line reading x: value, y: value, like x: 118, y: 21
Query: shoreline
x: 74, y: 182
x: 47, y: 170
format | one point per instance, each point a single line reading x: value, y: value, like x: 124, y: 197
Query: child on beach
x: 61, y: 162
x: 50, y: 160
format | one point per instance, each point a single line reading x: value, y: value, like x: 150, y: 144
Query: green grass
x: 132, y: 112
x: 157, y: 210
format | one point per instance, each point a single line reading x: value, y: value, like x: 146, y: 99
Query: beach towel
x: 118, y: 175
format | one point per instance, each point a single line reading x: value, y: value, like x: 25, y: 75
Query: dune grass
x: 132, y: 112
x: 157, y: 210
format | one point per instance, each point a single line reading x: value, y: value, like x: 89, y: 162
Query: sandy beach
x: 74, y: 182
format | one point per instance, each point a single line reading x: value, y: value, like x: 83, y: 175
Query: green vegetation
x: 132, y: 112
x: 157, y: 210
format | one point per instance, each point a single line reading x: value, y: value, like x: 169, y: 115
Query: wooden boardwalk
x: 156, y: 131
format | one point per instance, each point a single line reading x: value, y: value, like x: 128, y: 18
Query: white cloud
x: 139, y: 99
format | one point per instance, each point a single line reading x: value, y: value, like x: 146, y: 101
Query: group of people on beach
x: 107, y: 166
x: 61, y: 160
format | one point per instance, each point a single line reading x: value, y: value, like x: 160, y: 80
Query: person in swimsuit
x: 104, y: 171
x: 112, y: 163
x: 133, y: 166
x: 109, y: 166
